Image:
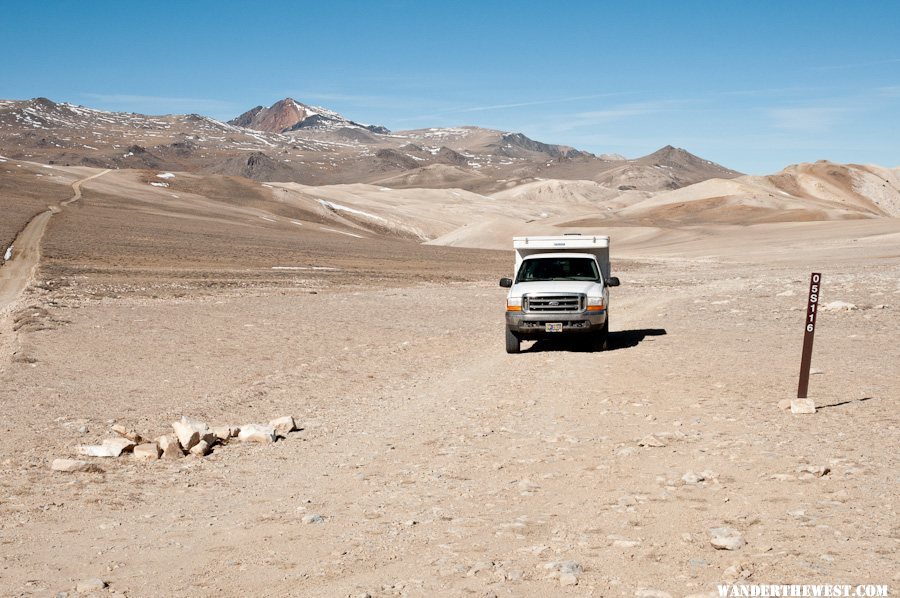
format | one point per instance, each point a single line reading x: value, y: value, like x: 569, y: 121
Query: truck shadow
x: 618, y: 339
x: 625, y: 339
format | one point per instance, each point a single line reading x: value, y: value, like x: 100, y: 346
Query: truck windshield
x: 558, y: 268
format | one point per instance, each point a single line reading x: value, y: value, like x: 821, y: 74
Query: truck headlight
x: 513, y: 304
x: 595, y: 304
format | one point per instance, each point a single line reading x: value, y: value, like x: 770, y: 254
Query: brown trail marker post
x: 812, y: 309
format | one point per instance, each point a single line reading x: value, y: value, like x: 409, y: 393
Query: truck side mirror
x: 506, y: 282
x: 612, y: 281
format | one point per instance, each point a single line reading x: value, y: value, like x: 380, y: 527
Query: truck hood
x: 556, y: 286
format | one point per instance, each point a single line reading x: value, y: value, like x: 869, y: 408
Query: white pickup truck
x: 561, y: 288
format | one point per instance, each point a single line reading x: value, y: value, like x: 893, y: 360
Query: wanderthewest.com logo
x: 767, y: 590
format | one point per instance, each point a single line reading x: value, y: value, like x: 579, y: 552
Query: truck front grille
x: 554, y: 303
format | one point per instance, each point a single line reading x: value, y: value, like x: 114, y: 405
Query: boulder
x: 93, y: 450
x: 191, y: 431
x: 170, y: 447
x: 201, y: 449
x: 127, y: 433
x: 74, y: 465
x: 148, y: 451
x: 117, y: 446
x: 111, y: 447
x: 223, y: 433
x: 283, y: 425
x: 726, y: 538
x: 256, y: 433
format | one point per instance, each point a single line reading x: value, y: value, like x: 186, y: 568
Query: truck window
x: 558, y: 268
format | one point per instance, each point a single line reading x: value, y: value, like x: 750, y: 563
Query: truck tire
x: 512, y: 342
x: 601, y: 340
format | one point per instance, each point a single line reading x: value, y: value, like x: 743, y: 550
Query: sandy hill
x: 802, y: 192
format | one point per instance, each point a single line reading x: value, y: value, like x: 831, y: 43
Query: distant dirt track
x: 16, y: 274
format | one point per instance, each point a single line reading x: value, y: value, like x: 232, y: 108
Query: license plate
x: 553, y: 327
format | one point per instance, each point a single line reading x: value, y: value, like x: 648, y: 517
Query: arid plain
x: 428, y: 461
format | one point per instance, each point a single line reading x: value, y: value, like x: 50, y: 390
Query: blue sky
x: 752, y: 85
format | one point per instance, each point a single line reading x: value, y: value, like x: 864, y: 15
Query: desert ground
x: 429, y: 462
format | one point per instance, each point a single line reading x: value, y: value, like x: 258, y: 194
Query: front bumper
x: 533, y: 325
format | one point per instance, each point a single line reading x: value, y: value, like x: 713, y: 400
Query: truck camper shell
x: 596, y: 245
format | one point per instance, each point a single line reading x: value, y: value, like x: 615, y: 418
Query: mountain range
x: 290, y: 141
x: 455, y: 186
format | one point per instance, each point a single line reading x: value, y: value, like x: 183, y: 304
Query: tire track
x: 17, y: 273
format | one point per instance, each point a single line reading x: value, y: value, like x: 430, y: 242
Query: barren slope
x: 441, y: 465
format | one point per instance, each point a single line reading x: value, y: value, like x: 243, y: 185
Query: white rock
x: 624, y: 543
x: 514, y: 575
x: 567, y: 571
x: 478, y: 567
x: 803, y: 406
x: 93, y: 450
x: 313, y: 519
x: 200, y: 449
x: 256, y: 433
x: 283, y: 425
x: 171, y: 448
x: 149, y: 451
x: 127, y: 433
x: 651, y: 593
x: 692, y: 478
x: 838, y: 306
x: 93, y: 584
x: 651, y: 441
x: 190, y: 431
x: 726, y: 538
x: 815, y: 470
x: 111, y: 447
x: 117, y: 446
x: 74, y: 465
x: 223, y: 433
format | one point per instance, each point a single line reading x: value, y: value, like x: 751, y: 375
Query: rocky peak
x: 290, y: 115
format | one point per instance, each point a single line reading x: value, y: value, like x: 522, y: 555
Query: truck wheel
x: 512, y: 342
x: 600, y: 341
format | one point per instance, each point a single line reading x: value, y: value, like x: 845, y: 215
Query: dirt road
x: 18, y: 272
x: 442, y: 466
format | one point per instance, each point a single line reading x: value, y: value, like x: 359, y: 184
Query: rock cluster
x: 567, y: 572
x: 189, y: 437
